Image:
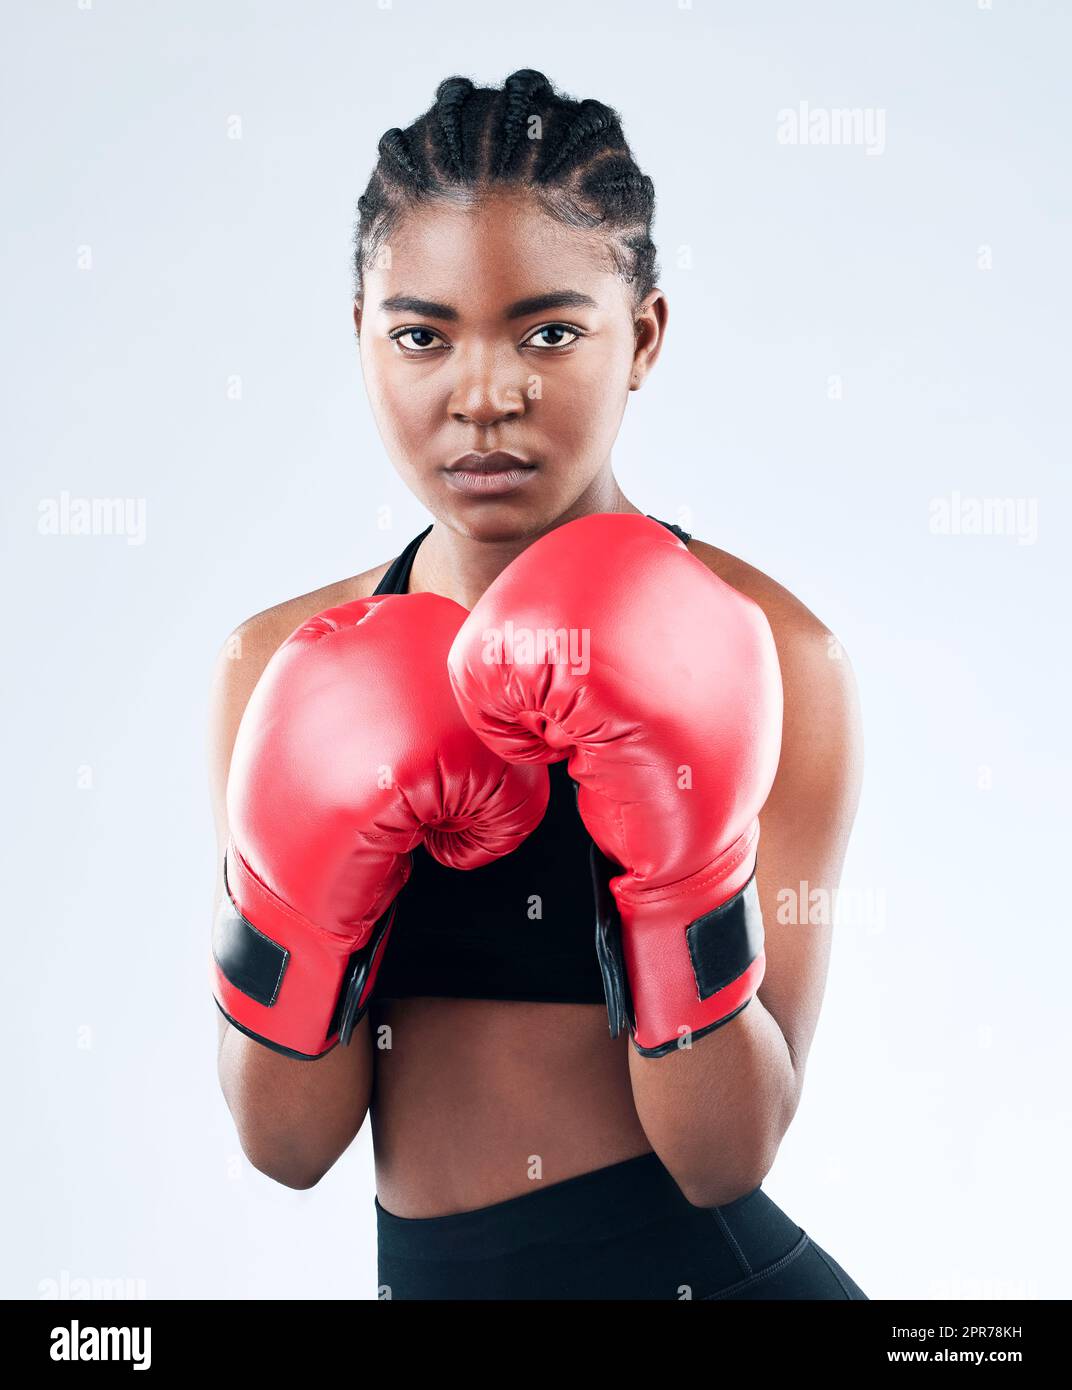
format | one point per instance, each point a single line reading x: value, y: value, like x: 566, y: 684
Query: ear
x: 649, y: 329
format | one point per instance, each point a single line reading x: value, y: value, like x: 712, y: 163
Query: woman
x: 522, y: 1151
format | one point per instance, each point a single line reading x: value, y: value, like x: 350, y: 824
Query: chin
x: 496, y: 523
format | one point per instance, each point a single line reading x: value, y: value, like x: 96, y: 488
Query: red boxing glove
x: 350, y: 753
x: 608, y: 642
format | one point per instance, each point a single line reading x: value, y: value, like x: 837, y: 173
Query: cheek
x: 585, y: 410
x: 594, y: 382
x: 402, y: 411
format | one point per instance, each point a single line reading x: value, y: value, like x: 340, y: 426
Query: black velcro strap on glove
x: 609, y: 943
x: 248, y: 959
x: 724, y: 942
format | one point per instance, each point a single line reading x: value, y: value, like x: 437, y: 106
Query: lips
x: 489, y: 475
x: 498, y: 461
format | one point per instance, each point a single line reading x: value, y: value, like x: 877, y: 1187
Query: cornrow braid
x: 521, y: 91
x: 572, y: 154
x: 446, y: 126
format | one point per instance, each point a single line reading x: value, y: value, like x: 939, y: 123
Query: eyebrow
x: 534, y: 304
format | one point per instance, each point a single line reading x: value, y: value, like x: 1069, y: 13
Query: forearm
x: 716, y: 1112
x: 295, y: 1118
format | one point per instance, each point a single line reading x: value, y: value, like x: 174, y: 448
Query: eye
x: 422, y: 348
x: 554, y: 328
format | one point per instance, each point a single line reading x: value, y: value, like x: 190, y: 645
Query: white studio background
x: 868, y: 340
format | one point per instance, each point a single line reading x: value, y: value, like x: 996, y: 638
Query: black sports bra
x: 522, y: 927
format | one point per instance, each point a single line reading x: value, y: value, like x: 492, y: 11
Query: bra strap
x: 670, y: 526
x: 396, y: 580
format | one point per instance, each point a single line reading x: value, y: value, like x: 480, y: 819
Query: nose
x: 487, y: 392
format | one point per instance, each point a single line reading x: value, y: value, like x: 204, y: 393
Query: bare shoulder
x: 253, y: 641
x: 822, y: 745
x: 789, y: 618
x: 800, y: 636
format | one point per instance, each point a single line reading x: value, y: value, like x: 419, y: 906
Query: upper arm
x: 806, y: 822
x: 239, y: 665
x: 807, y: 819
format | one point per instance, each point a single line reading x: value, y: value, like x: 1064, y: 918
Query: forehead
x: 491, y: 246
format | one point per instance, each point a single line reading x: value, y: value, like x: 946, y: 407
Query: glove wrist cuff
x: 673, y: 973
x: 281, y: 979
x: 687, y: 978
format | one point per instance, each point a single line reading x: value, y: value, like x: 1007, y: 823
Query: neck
x: 461, y: 568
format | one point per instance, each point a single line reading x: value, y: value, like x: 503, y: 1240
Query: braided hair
x: 571, y: 154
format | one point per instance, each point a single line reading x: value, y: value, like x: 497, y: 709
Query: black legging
x: 620, y: 1232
